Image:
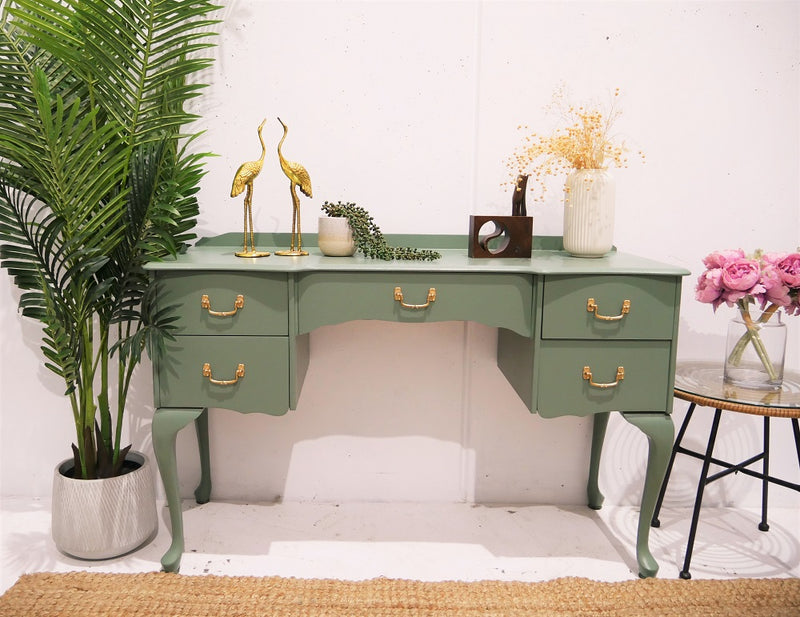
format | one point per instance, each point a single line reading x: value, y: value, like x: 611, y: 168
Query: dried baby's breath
x: 585, y: 141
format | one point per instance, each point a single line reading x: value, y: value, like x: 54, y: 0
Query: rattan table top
x: 702, y: 383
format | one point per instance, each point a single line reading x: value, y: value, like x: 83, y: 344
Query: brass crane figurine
x: 298, y: 176
x: 243, y: 179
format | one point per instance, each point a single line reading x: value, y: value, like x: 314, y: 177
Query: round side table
x: 701, y: 383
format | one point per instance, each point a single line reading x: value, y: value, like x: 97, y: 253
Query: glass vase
x: 754, y: 352
x: 589, y: 200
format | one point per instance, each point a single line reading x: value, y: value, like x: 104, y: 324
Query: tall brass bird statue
x: 243, y: 179
x: 298, y: 177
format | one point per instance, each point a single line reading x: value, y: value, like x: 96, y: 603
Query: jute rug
x: 84, y: 594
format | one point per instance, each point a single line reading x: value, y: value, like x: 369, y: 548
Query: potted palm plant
x: 97, y: 179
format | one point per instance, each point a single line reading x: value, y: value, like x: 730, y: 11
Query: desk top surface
x: 702, y: 383
x: 217, y: 253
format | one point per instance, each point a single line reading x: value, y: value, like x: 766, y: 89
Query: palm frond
x: 93, y: 183
x: 166, y: 37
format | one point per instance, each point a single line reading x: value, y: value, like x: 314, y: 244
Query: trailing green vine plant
x: 368, y: 237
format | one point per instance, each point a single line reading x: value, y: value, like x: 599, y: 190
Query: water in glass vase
x: 755, y: 352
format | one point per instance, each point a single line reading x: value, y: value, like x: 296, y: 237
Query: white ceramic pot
x: 335, y: 238
x: 589, y: 198
x: 101, y: 519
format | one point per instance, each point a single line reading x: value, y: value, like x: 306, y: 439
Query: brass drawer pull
x: 591, y: 306
x: 398, y: 295
x: 223, y: 382
x: 587, y: 375
x: 206, y: 304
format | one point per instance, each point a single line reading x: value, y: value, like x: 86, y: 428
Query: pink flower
x: 775, y: 290
x: 741, y: 274
x: 709, y: 287
x: 788, y: 265
x: 718, y: 259
x: 740, y: 278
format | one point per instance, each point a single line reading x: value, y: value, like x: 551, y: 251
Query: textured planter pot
x: 101, y: 519
x: 335, y: 237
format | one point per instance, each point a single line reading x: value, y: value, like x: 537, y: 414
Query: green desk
x: 576, y: 337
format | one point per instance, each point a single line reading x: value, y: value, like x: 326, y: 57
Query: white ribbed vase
x: 101, y: 519
x: 589, y: 197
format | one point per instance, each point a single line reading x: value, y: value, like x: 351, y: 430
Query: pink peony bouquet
x: 769, y: 280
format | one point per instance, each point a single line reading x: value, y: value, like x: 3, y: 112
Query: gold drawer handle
x: 223, y: 382
x: 591, y: 306
x: 206, y: 304
x: 398, y: 295
x: 587, y: 375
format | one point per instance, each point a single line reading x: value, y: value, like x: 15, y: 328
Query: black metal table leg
x: 763, y: 525
x: 699, y: 498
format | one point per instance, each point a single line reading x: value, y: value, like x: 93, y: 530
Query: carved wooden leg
x: 594, y: 495
x: 166, y: 424
x: 660, y: 432
x: 678, y: 441
x: 202, y: 493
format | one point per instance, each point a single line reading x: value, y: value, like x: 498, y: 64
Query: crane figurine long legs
x: 298, y: 177
x: 243, y: 181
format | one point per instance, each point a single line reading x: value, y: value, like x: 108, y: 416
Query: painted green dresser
x: 575, y: 337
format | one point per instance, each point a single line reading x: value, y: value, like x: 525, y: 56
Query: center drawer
x: 609, y: 306
x: 500, y: 300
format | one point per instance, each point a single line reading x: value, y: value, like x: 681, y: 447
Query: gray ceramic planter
x: 101, y: 519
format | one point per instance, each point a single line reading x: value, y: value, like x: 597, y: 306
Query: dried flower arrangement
x: 585, y: 142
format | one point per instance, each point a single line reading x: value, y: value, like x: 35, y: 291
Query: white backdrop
x: 409, y: 109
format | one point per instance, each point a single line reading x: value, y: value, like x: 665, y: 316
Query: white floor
x: 424, y: 542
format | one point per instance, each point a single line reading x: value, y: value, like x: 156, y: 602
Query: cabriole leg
x: 678, y: 441
x: 166, y: 424
x: 203, y: 492
x: 660, y: 431
x: 593, y: 493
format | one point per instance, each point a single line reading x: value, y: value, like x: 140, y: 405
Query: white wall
x: 409, y: 109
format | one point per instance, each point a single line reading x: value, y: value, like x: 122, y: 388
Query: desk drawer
x: 501, y: 300
x: 652, y: 302
x: 263, y: 309
x: 564, y: 391
x: 264, y: 386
